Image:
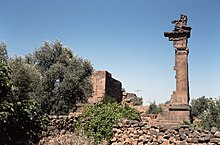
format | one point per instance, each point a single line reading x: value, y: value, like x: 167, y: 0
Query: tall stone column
x: 179, y: 108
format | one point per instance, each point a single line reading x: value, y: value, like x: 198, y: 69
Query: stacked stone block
x: 105, y: 85
x: 140, y: 133
x: 179, y: 108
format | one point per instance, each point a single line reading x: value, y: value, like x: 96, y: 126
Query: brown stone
x: 160, y: 139
x: 195, y: 134
x: 119, y: 143
x: 120, y: 124
x: 203, y: 139
x: 125, y: 121
x: 175, y: 135
x: 211, y: 143
x: 134, y: 141
x: 172, y: 139
x: 127, y: 140
x: 209, y: 136
x: 135, y: 136
x: 140, y: 143
x: 214, y: 129
x: 189, y: 140
x: 140, y: 132
x: 181, y: 143
x: 104, y: 85
x: 153, y: 132
x: 121, y: 139
x: 128, y: 132
x: 113, y: 139
x: 62, y: 131
x: 116, y: 135
x: 179, y: 109
x: 135, y: 132
x: 131, y: 129
x: 167, y: 136
x: 124, y: 136
x: 141, y: 138
x: 215, y: 140
x: 217, y: 134
x: 131, y: 135
x: 145, y: 131
x: 183, y: 137
x: 165, y: 142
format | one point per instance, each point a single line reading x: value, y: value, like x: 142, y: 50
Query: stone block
x: 217, y: 134
x: 214, y: 129
x: 215, y: 140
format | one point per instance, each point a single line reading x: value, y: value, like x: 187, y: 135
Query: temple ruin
x: 179, y: 108
x: 105, y: 85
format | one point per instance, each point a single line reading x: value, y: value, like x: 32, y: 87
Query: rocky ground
x: 67, y: 138
x: 140, y: 133
x: 147, y: 132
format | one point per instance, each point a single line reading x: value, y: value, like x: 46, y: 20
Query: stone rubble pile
x: 68, y: 138
x: 128, y: 132
x: 59, y: 125
x: 60, y: 131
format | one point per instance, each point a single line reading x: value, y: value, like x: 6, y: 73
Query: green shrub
x: 108, y: 99
x: 96, y: 121
x: 137, y: 101
x: 154, y: 109
x: 198, y: 106
x: 20, y: 121
x: 19, y: 118
x: 211, y: 116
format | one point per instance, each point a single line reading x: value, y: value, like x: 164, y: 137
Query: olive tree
x: 3, y: 53
x: 65, y: 77
x: 199, y: 105
x: 211, y: 116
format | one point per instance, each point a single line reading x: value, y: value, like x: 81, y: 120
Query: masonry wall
x: 104, y: 84
x: 128, y: 132
x: 113, y: 87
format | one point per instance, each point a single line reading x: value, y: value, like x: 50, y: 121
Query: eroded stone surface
x: 179, y: 103
x: 105, y: 85
x: 177, y: 135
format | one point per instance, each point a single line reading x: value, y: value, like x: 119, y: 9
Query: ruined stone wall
x: 140, y: 133
x: 59, y: 125
x: 98, y: 82
x: 60, y: 131
x: 113, y: 87
x: 104, y: 84
x: 128, y: 132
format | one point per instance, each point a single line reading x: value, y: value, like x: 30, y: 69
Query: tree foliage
x: 5, y: 83
x: 137, y: 101
x: 133, y: 99
x: 25, y: 77
x: 97, y: 120
x: 53, y: 76
x: 154, y: 109
x: 3, y: 53
x: 198, y: 106
x: 108, y: 99
x: 211, y: 116
x: 19, y: 119
x: 65, y: 78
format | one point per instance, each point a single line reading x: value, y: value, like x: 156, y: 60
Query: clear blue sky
x: 124, y: 37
